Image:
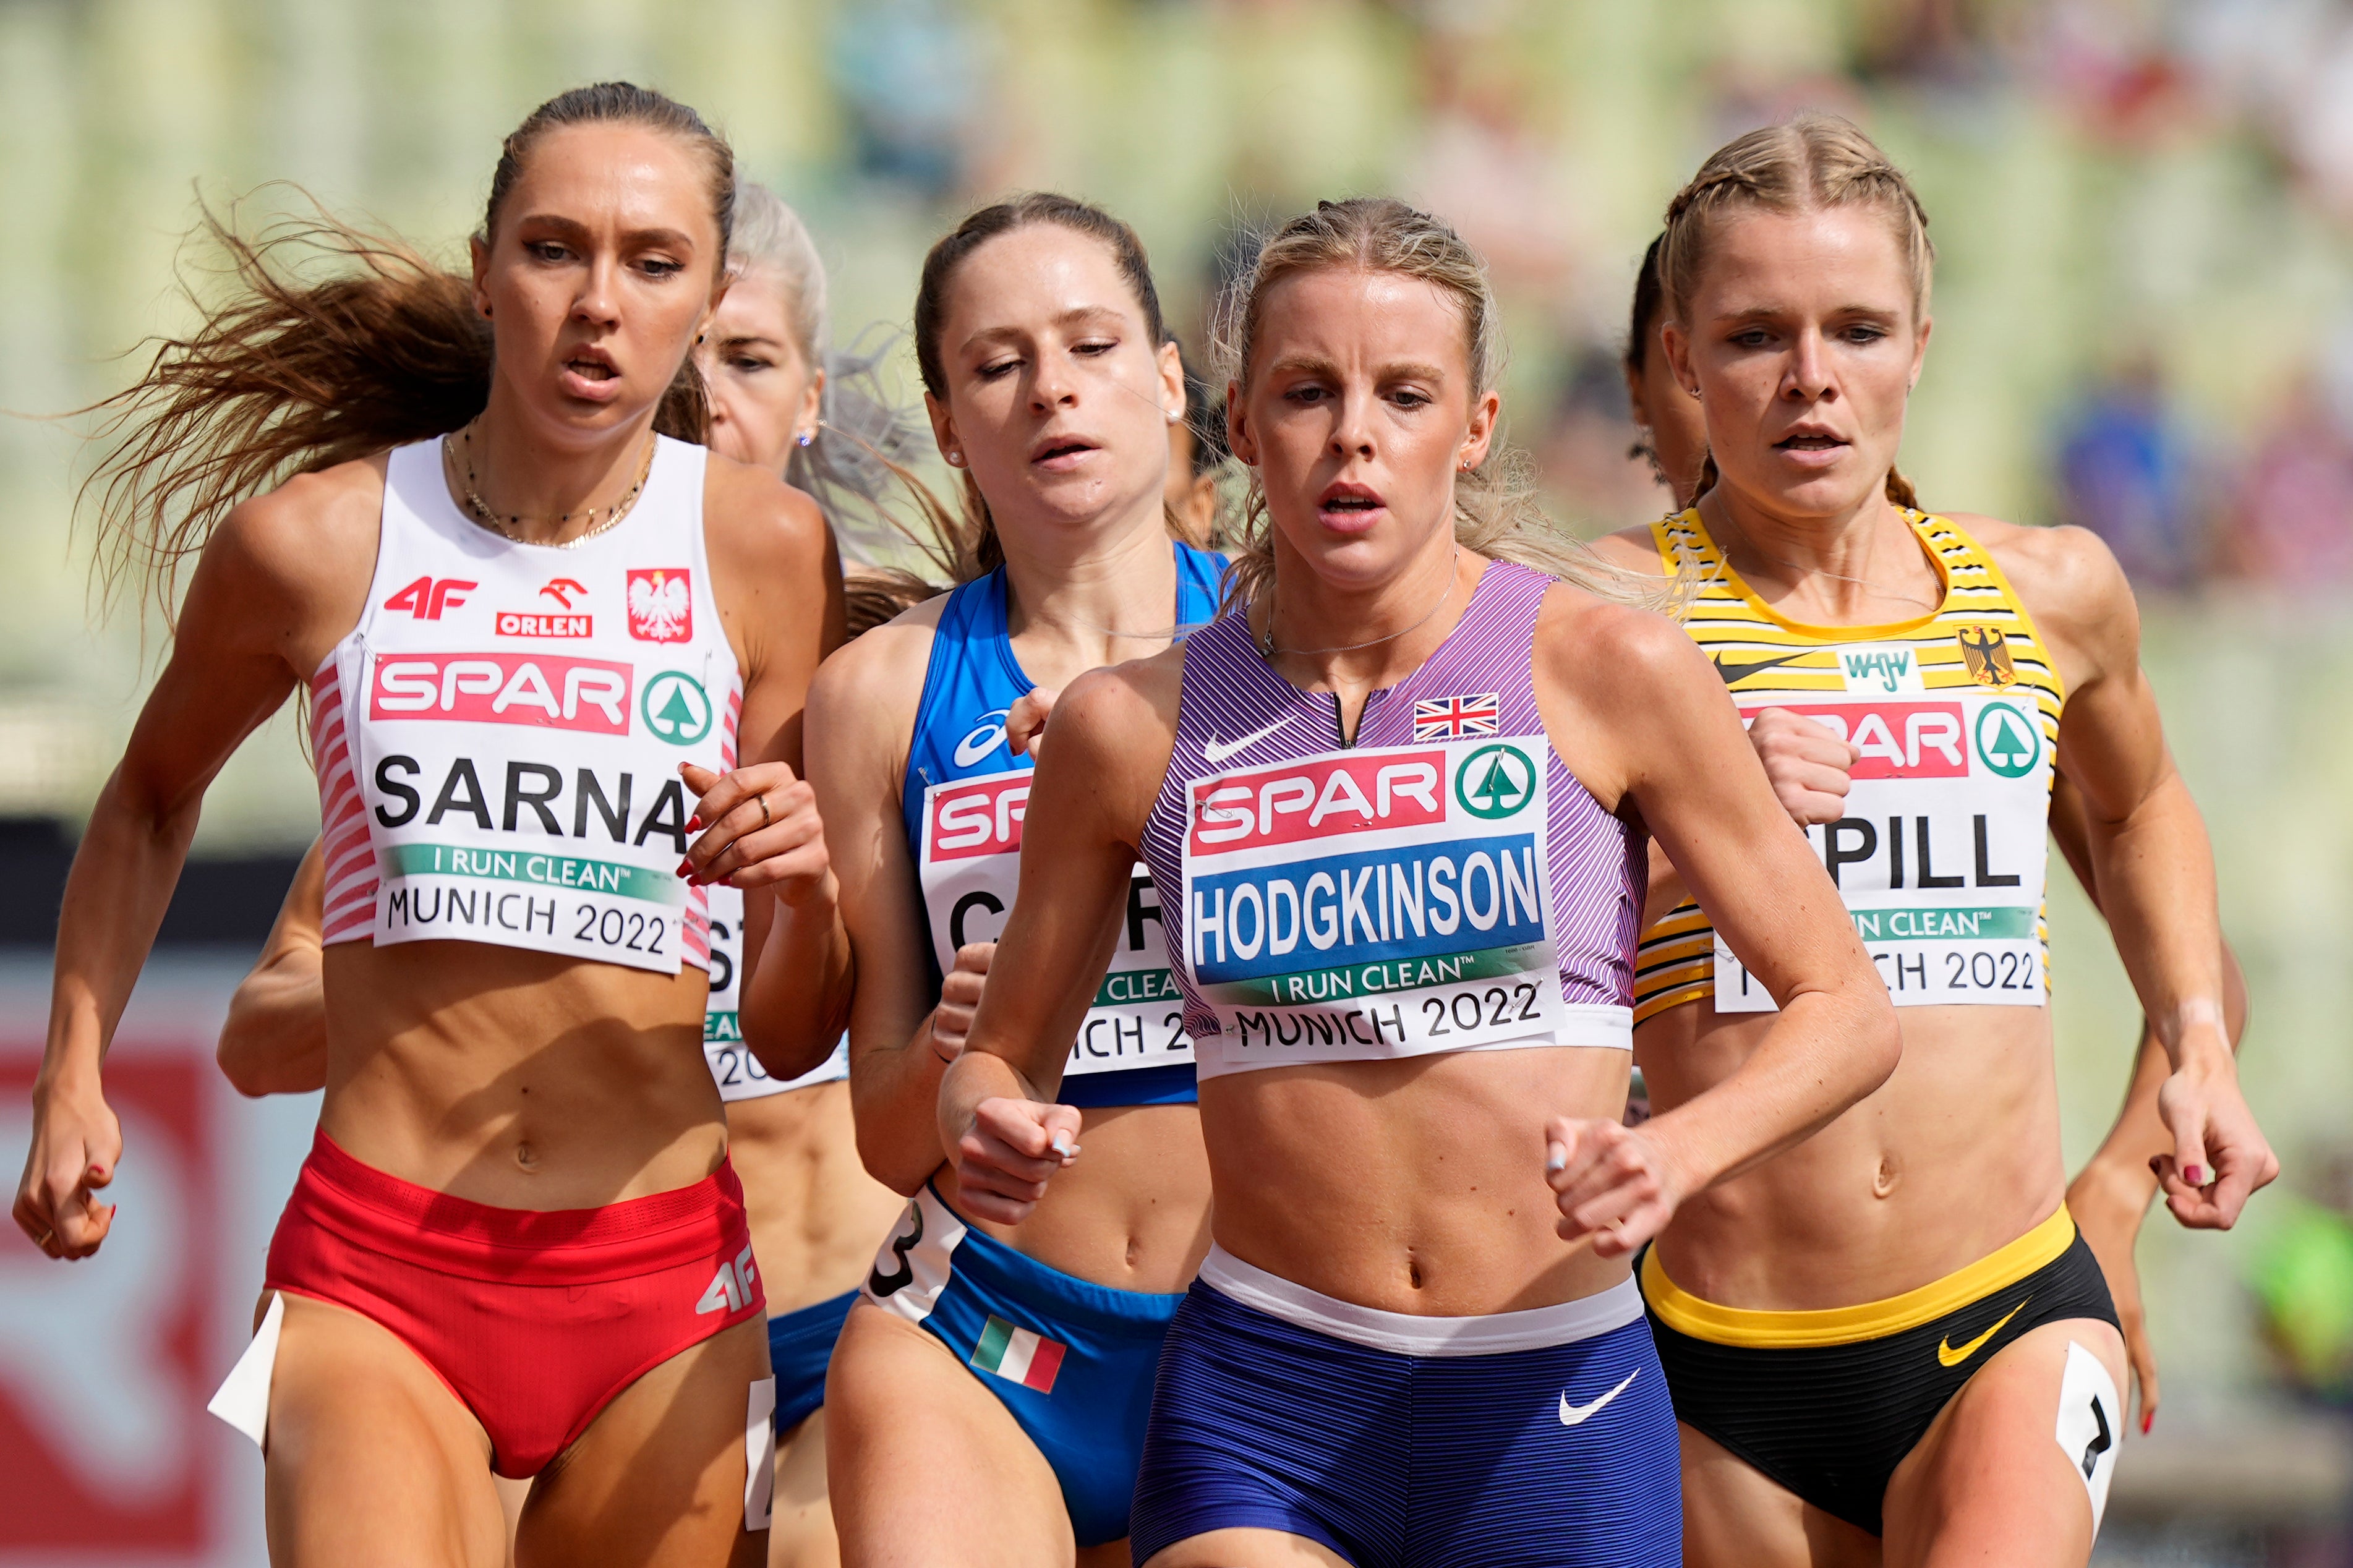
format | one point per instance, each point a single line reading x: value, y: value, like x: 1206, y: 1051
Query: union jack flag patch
x: 1451, y: 717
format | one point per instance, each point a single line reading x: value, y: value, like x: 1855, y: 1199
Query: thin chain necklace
x: 1879, y: 589
x: 481, y: 513
x: 1267, y: 649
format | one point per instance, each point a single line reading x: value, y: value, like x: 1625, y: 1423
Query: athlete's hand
x: 1025, y: 722
x: 1613, y: 1182
x: 76, y: 1144
x: 2220, y: 1156
x: 759, y: 829
x: 2108, y: 1203
x: 1004, y: 1157
x: 1807, y: 762
x: 960, y: 998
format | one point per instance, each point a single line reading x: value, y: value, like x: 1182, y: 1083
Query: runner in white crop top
x: 525, y: 630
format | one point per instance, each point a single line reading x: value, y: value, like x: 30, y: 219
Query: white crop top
x: 498, y: 740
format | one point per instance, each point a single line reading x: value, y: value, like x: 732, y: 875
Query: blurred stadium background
x: 2144, y: 210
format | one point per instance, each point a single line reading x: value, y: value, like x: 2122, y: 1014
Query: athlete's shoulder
x: 2067, y: 576
x: 1607, y: 640
x: 315, y: 528
x: 1124, y: 705
x: 1634, y: 548
x: 874, y: 680
x: 757, y: 519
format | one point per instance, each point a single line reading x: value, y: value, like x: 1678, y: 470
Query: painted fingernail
x: 2196, y: 1176
x: 1556, y: 1157
x: 685, y: 867
x: 1064, y: 1146
x: 694, y: 823
x: 2148, y: 1420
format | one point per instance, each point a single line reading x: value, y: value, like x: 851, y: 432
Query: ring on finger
x: 764, y: 817
x: 45, y: 1237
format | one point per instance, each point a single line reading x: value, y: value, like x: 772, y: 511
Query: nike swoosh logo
x: 1215, y: 751
x: 1948, y: 1356
x: 1734, y: 673
x: 1573, y: 1414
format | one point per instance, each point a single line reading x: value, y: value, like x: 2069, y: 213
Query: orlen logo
x: 427, y: 597
x: 1898, y: 740
x: 590, y: 694
x: 1289, y: 801
x: 532, y: 624
x: 983, y: 818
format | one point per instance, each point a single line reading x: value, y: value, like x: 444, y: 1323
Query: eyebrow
x: 1768, y: 313
x: 1316, y: 365
x: 1076, y: 316
x: 667, y: 237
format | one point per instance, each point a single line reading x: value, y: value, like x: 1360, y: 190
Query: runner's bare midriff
x: 1131, y: 1212
x: 816, y: 1214
x: 1956, y: 1155
x: 515, y: 1078
x: 1413, y: 1185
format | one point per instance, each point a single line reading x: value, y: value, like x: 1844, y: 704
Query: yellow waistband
x: 1688, y: 1314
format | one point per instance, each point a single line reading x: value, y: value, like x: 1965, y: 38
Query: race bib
x: 970, y: 867
x: 1379, y: 903
x: 1941, y: 856
x: 733, y: 1068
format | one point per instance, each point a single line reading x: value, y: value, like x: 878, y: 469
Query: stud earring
x: 955, y: 459
x: 806, y: 437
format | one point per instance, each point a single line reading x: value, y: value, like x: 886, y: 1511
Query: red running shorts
x: 534, y: 1319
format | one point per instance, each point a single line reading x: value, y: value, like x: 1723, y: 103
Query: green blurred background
x: 2144, y: 323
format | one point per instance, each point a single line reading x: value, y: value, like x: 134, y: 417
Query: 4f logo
x: 734, y: 1288
x: 427, y: 597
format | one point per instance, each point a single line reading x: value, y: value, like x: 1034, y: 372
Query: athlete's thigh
x: 1735, y: 1516
x: 924, y: 1465
x: 1247, y: 1549
x: 658, y: 1479
x: 371, y: 1460
x: 1989, y: 1482
x: 801, y: 1535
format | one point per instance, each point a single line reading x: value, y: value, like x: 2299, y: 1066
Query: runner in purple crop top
x: 1397, y: 810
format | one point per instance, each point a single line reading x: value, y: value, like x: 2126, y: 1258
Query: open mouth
x: 1809, y: 441
x: 1344, y: 503
x: 1060, y: 452
x: 590, y: 368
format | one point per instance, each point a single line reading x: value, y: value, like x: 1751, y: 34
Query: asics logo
x: 1215, y: 751
x: 982, y: 738
x: 1948, y: 1356
x: 1576, y: 1414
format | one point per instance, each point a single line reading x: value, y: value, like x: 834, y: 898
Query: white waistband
x: 1403, y: 1333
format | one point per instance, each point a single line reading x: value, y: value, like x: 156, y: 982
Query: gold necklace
x: 479, y: 510
x: 1267, y: 650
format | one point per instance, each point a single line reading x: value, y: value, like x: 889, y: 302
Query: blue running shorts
x: 1071, y: 1360
x: 800, y: 1347
x: 1535, y: 1440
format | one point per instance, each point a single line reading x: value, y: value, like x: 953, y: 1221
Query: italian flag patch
x: 1018, y: 1355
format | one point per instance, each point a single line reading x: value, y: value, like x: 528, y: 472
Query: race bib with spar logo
x: 1377, y: 903
x: 1941, y: 856
x: 519, y: 808
x: 970, y: 867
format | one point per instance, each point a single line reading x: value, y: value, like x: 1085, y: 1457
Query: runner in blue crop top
x: 969, y: 687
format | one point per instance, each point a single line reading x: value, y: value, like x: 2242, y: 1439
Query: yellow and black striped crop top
x: 1941, y: 854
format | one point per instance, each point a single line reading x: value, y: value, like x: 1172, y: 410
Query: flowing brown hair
x: 297, y: 372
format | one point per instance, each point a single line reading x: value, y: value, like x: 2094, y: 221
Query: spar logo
x: 545, y: 689
x: 1319, y: 799
x: 676, y: 708
x: 1897, y: 740
x: 1495, y: 780
x: 2008, y: 741
x: 982, y: 817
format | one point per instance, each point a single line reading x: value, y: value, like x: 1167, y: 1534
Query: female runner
x: 1889, y: 1343
x: 986, y: 1403
x: 814, y: 1211
x: 517, y: 1244
x: 1398, y: 807
x: 1811, y: 768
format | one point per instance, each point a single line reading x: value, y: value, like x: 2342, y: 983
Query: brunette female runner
x: 1889, y: 1343
x: 814, y: 1211
x: 1398, y: 809
x: 517, y: 1244
x: 987, y: 1402
x: 1811, y: 768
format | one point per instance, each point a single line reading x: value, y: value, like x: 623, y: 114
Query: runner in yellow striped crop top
x: 1941, y: 856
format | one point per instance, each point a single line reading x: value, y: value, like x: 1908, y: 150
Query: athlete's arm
x: 282, y: 578
x: 1113, y: 731
x: 777, y: 577
x: 274, y: 1041
x: 861, y: 712
x: 1655, y: 733
x: 2152, y: 867
x: 2109, y: 1196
